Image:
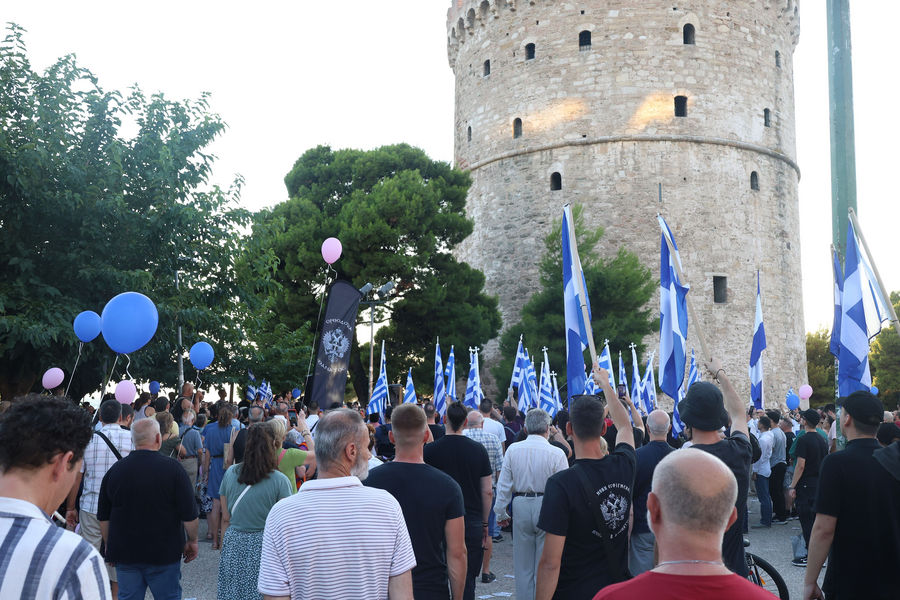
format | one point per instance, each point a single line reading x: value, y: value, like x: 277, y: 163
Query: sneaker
x: 799, y: 562
x: 779, y: 521
x: 489, y: 577
x: 498, y: 538
x: 760, y: 526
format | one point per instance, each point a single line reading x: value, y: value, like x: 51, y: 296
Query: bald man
x: 640, y: 551
x: 691, y: 504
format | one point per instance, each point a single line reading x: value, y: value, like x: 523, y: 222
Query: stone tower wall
x: 603, y: 117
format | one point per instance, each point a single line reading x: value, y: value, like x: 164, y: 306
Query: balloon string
x: 316, y: 332
x: 72, y: 374
x: 198, y: 380
x: 128, y: 365
x: 108, y: 379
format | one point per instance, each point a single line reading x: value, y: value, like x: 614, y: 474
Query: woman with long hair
x: 248, y: 492
x: 215, y: 436
x: 142, y: 406
x: 295, y: 464
x: 170, y: 441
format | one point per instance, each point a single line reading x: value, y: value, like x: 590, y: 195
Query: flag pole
x: 690, y: 305
x: 579, y: 282
x: 884, y: 294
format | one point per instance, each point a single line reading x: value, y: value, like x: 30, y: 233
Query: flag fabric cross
x: 409, y: 394
x: 450, y: 371
x: 759, y: 344
x: 576, y: 328
x: 673, y: 316
x: 378, y: 401
x: 520, y: 378
x: 440, y: 404
x: 548, y: 398
x: 474, y: 395
x: 637, y: 392
x: 604, y: 361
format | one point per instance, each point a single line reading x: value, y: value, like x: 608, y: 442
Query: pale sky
x: 287, y: 76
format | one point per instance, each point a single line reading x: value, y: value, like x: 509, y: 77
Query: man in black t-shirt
x: 432, y: 506
x: 857, y: 516
x: 577, y: 561
x: 810, y: 451
x: 705, y: 410
x: 437, y: 431
x: 467, y: 462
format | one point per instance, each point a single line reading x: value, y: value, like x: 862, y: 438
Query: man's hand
x: 503, y: 523
x: 714, y: 365
x: 792, y: 493
x: 190, y: 551
x: 600, y: 375
x: 71, y: 519
x: 485, y: 536
x: 812, y: 591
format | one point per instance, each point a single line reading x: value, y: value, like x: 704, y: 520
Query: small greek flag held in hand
x: 440, y: 404
x: 409, y: 394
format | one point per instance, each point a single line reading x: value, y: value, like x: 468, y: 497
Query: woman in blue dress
x: 215, y: 436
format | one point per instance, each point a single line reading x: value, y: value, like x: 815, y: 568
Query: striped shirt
x: 40, y: 560
x: 98, y: 458
x: 334, y: 539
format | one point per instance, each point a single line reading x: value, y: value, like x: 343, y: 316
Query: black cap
x: 703, y: 407
x: 864, y: 407
x: 811, y: 416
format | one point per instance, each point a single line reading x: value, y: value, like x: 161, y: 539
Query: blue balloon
x: 295, y: 393
x: 874, y: 390
x: 793, y: 401
x: 87, y: 326
x: 154, y: 387
x: 128, y: 322
x: 201, y: 355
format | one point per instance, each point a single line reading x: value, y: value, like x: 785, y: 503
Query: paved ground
x: 773, y: 545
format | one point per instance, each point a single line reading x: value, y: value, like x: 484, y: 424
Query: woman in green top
x: 171, y: 443
x: 295, y: 464
x: 247, y: 493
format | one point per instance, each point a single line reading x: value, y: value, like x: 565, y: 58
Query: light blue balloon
x: 793, y: 401
x: 874, y: 390
x: 154, y: 387
x: 128, y: 322
x: 201, y: 355
x: 87, y: 326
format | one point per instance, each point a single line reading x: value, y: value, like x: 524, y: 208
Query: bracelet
x: 484, y: 524
x: 716, y: 376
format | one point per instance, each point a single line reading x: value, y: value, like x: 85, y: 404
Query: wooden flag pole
x: 579, y: 282
x: 884, y: 293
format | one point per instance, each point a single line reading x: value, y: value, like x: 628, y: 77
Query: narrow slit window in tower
x: 487, y: 68
x: 529, y: 51
x: 584, y: 40
x: 689, y: 34
x: 680, y: 106
x: 754, y: 181
x: 778, y: 59
x: 555, y: 182
x: 517, y: 128
x: 720, y: 289
x: 767, y: 117
x: 469, y: 133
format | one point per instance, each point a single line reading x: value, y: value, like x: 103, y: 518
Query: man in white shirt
x: 526, y: 467
x: 762, y: 469
x: 490, y: 425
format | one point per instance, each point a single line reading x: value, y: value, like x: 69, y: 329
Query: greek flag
x: 648, y: 387
x: 251, y: 392
x: 474, y: 395
x: 450, y: 372
x: 693, y: 377
x: 759, y: 344
x: 835, y: 347
x: 623, y: 376
x: 576, y: 328
x: 637, y: 391
x: 409, y: 394
x: 590, y: 387
x: 265, y: 390
x: 547, y: 399
x: 250, y: 375
x: 378, y: 401
x: 556, y: 399
x: 518, y: 366
x: 531, y: 380
x: 440, y: 404
x: 605, y: 362
x: 520, y: 378
x: 673, y: 316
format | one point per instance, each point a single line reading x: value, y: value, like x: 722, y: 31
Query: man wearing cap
x: 811, y: 449
x: 704, y: 412
x: 856, y: 511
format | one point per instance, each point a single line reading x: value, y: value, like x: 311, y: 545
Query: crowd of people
x: 303, y: 502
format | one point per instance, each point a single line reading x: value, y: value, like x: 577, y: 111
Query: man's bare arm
x: 733, y: 404
x: 455, y: 534
x: 819, y: 545
x: 400, y: 586
x: 548, y: 566
x: 616, y: 409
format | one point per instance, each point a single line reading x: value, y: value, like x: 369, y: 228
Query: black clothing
x: 788, y: 444
x: 466, y: 461
x: 429, y: 498
x: 146, y: 498
x: 177, y: 411
x: 437, y: 431
x: 736, y: 452
x: 776, y: 491
x: 240, y: 442
x: 856, y: 489
x: 565, y: 512
x: 813, y: 448
x: 383, y: 445
x: 647, y: 458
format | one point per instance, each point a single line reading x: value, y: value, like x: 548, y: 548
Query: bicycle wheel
x: 764, y: 575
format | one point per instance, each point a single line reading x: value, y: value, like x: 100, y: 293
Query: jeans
x: 765, y: 501
x: 640, y: 553
x: 164, y: 581
x: 493, y: 530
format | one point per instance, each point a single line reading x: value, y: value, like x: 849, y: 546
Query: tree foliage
x: 398, y: 215
x: 820, y: 367
x: 619, y: 288
x: 87, y: 212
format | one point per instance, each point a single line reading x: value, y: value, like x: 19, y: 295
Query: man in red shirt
x: 690, y: 505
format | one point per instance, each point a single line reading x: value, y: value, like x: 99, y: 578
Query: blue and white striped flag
x: 250, y: 375
x: 590, y: 387
x: 637, y: 391
x: 648, y: 387
x: 520, y: 378
x: 759, y: 344
x: 474, y: 395
x: 265, y: 390
x: 378, y: 401
x: 838, y: 272
x: 440, y: 404
x: 531, y: 380
x: 604, y: 361
x: 251, y: 392
x: 576, y: 328
x: 556, y: 398
x: 409, y: 394
x: 623, y: 376
x: 547, y: 400
x: 450, y: 372
x: 518, y: 366
x: 693, y: 377
x: 673, y: 316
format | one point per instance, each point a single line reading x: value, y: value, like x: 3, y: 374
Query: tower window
x: 469, y: 133
x: 688, y: 34
x: 680, y: 106
x: 487, y: 68
x: 517, y: 128
x: 778, y: 59
x: 754, y: 181
x: 584, y: 40
x: 767, y: 117
x: 720, y: 289
x: 555, y: 182
x: 529, y: 51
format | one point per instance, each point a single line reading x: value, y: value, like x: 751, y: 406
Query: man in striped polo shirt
x: 42, y: 441
x: 335, y: 538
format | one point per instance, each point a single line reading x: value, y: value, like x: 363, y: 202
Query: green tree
x: 820, y: 367
x: 884, y: 359
x: 619, y: 288
x: 87, y: 212
x: 398, y: 215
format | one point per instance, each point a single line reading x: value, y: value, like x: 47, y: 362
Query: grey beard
x: 360, y: 470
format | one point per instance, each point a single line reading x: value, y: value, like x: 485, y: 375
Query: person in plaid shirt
x: 475, y: 431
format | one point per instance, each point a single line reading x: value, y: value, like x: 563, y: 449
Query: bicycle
x: 764, y: 575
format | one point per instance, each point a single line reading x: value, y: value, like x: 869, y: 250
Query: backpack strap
x: 112, y: 446
x: 618, y: 571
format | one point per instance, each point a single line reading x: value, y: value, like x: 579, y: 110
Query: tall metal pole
x: 372, y: 349
x: 180, y: 358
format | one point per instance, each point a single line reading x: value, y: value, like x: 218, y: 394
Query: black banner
x: 333, y: 349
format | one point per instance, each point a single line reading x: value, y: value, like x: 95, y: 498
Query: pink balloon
x: 805, y: 392
x: 53, y: 378
x: 125, y: 391
x: 331, y: 250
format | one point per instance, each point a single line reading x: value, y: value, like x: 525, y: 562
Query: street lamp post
x: 372, y: 303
